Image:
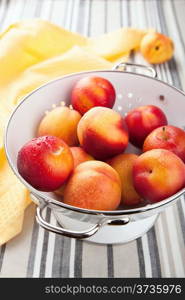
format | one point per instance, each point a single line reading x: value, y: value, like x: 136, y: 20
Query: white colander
x: 132, y: 89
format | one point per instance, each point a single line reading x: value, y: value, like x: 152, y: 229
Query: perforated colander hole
x: 130, y: 95
x: 161, y: 97
x: 129, y: 105
x: 119, y: 96
x: 120, y: 108
x: 139, y: 100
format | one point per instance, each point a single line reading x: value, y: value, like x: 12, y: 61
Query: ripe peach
x: 142, y: 120
x: 102, y: 133
x: 123, y: 164
x: 79, y: 156
x: 61, y: 122
x: 156, y: 47
x: 158, y: 174
x: 93, y: 185
x: 92, y: 91
x: 166, y: 137
x: 45, y: 162
x: 60, y: 191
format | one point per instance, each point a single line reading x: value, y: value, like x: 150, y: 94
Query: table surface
x: 161, y: 251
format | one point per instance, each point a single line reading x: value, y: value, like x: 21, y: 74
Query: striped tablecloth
x: 160, y: 252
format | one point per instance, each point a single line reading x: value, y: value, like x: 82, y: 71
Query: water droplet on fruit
x: 58, y: 151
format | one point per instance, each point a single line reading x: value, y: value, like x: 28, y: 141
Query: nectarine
x: 102, y: 133
x: 92, y: 91
x: 123, y: 164
x: 61, y: 122
x: 79, y: 156
x: 166, y: 137
x: 142, y: 120
x: 45, y: 162
x: 93, y: 185
x: 156, y: 47
x: 158, y: 174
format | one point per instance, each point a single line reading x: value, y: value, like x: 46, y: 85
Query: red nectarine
x: 92, y: 91
x: 45, y: 162
x: 142, y: 120
x: 102, y: 133
x: 166, y: 137
x: 158, y: 174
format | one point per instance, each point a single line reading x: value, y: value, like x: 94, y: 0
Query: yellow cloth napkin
x: 32, y: 53
x: 116, y: 45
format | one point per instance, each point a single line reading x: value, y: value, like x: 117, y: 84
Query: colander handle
x: 124, y: 66
x: 66, y: 232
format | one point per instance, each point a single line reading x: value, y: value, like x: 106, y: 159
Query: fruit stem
x: 165, y: 135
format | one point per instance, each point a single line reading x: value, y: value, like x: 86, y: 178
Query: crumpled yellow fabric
x: 32, y: 53
x: 116, y: 45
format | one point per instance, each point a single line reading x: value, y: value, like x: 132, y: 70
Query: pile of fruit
x: 79, y: 152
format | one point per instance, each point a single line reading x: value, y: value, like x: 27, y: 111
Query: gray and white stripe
x: 160, y: 252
